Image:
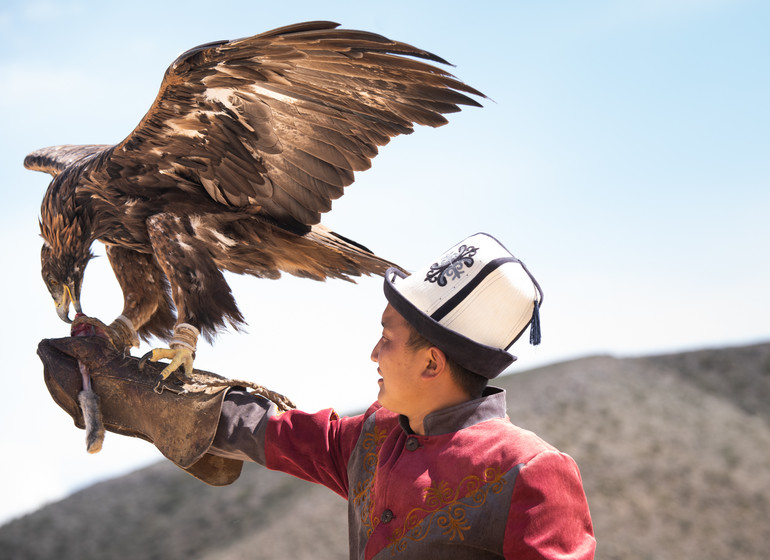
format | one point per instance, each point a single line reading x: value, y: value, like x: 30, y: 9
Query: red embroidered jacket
x: 475, y: 486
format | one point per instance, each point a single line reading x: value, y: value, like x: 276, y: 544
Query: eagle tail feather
x: 356, y: 259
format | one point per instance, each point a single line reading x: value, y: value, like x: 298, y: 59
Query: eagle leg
x: 201, y: 295
x: 146, y: 302
x: 181, y: 353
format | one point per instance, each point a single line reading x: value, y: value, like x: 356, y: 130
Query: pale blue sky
x: 624, y: 158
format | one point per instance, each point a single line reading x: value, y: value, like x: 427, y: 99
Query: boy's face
x: 400, y: 366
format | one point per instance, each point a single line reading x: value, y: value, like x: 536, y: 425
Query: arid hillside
x: 674, y: 451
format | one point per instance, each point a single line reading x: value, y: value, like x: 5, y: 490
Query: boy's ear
x: 437, y: 363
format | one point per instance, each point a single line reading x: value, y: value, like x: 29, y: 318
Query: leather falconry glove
x: 179, y: 418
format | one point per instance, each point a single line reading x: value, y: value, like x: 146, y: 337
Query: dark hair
x: 471, y: 383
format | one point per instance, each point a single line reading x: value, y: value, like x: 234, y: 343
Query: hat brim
x: 480, y: 359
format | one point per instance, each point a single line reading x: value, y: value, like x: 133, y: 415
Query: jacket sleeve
x: 549, y: 516
x: 314, y: 447
x: 241, y: 429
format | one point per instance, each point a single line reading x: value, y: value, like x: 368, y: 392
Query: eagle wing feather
x: 282, y: 120
x: 55, y: 159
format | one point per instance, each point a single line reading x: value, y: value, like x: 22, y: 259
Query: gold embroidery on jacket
x: 363, y: 493
x: 446, y: 508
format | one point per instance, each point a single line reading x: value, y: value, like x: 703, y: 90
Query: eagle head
x: 67, y: 239
x: 63, y: 276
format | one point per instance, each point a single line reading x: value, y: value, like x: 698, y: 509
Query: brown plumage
x: 245, y: 146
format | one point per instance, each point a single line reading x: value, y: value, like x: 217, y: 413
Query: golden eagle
x: 245, y: 146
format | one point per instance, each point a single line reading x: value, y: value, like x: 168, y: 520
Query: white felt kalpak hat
x: 473, y: 303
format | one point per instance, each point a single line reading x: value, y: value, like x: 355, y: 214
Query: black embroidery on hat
x: 451, y: 267
x: 460, y: 295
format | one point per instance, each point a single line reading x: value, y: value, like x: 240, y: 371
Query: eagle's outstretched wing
x: 281, y: 120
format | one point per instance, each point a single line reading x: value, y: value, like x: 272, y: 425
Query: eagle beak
x: 63, y: 310
x: 63, y: 305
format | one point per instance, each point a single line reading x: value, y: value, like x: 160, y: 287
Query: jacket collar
x: 489, y: 406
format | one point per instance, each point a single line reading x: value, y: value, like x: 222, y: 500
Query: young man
x: 434, y: 469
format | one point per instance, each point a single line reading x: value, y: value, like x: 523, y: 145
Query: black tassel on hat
x: 534, y: 326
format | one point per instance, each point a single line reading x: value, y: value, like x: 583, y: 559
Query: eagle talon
x: 179, y: 356
x: 144, y: 359
x: 120, y: 332
x: 83, y: 325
